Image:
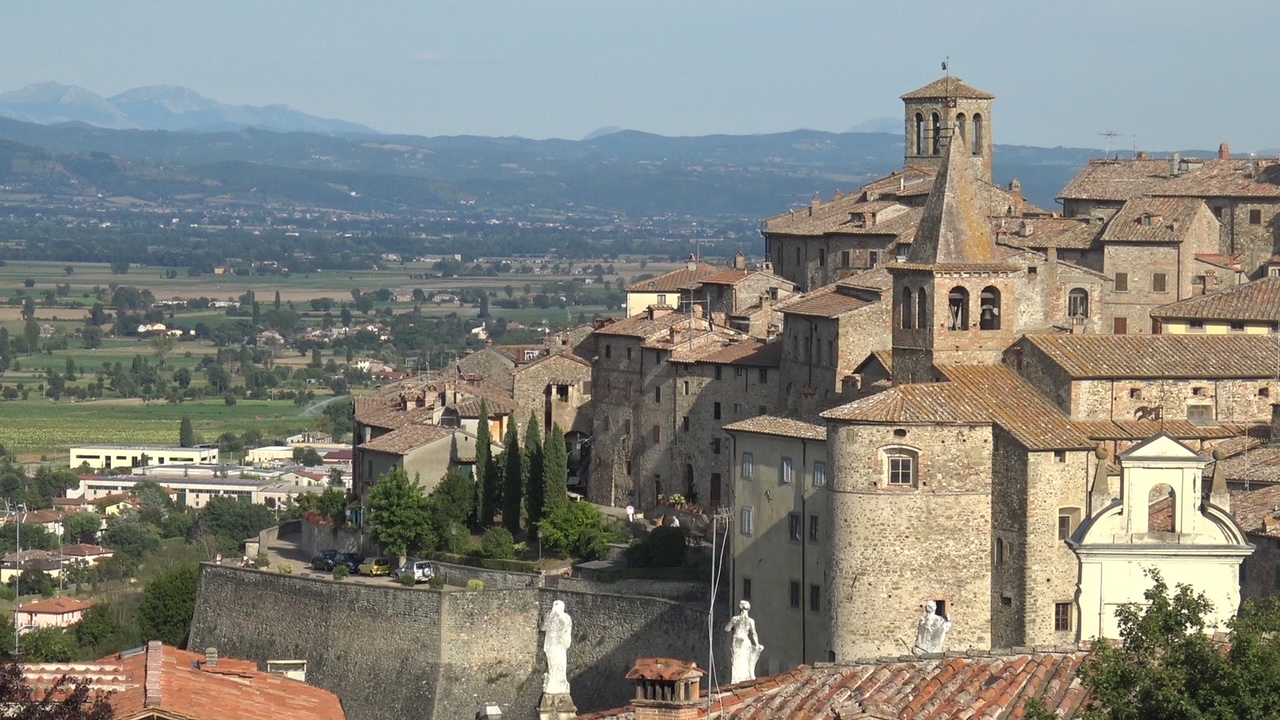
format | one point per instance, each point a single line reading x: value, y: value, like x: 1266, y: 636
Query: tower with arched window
x: 943, y: 108
x: 955, y: 297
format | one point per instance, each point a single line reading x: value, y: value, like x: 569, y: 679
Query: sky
x: 1164, y: 75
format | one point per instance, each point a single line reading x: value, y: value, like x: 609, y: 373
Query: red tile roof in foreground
x: 992, y: 687
x: 179, y: 684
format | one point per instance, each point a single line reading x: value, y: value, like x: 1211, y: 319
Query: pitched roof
x: 642, y: 326
x: 676, y: 280
x: 974, y: 395
x: 1153, y: 220
x: 56, y: 606
x: 812, y: 428
x: 1073, y: 233
x: 992, y: 687
x: 1255, y: 301
x: 1258, y: 509
x: 747, y: 351
x: 1159, y: 356
x: 85, y: 550
x: 1115, y: 180
x: 828, y: 301
x: 948, y: 87
x: 407, y: 439
x: 954, y: 228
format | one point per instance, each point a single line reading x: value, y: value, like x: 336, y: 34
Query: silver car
x: 419, y: 570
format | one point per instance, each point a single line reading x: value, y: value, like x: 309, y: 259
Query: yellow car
x: 375, y: 566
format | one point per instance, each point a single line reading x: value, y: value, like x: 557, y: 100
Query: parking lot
x: 285, y: 551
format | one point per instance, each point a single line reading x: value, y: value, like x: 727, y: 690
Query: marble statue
x: 745, y: 647
x: 931, y: 633
x: 558, y: 629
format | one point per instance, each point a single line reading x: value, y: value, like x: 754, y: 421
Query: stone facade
x: 557, y: 389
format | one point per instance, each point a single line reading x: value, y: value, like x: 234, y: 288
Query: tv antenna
x: 1108, y: 135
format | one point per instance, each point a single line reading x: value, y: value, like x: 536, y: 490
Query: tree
x: 397, y: 513
x: 31, y: 333
x: 307, y: 456
x: 64, y: 699
x: 486, y: 500
x: 498, y: 544
x: 512, y: 480
x: 168, y: 604
x: 49, y: 644
x: 1167, y: 667
x: 82, y: 527
x: 555, y: 472
x: 162, y: 345
x: 232, y: 520
x: 128, y: 535
x: 576, y: 530
x: 186, y: 432
x: 91, y: 337
x: 120, y: 267
x: 535, y: 491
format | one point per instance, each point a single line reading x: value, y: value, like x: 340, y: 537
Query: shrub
x: 262, y: 560
x: 498, y: 544
x: 436, y: 583
x: 406, y: 580
x: 474, y: 584
x: 667, y: 546
x: 576, y: 530
x: 286, y: 568
x: 341, y: 572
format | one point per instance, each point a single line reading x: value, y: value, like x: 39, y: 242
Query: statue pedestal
x: 556, y: 706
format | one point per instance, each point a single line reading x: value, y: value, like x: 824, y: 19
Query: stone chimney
x: 1174, y: 162
x: 697, y: 310
x: 152, y: 682
x: 1224, y: 152
x: 667, y: 689
x: 693, y: 262
x: 1015, y: 189
x: 211, y: 657
x: 739, y: 261
x: 1143, y: 155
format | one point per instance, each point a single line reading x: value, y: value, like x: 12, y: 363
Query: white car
x: 419, y: 570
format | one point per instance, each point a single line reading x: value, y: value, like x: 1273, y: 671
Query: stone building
x: 669, y: 290
x: 1252, y: 308
x: 744, y: 299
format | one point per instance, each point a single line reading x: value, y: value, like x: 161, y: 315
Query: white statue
x: 931, y: 633
x: 558, y: 629
x: 745, y: 647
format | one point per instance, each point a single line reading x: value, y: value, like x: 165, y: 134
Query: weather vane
x: 946, y: 62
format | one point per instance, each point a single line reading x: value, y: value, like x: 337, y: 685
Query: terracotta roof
x: 845, y: 217
x: 177, y: 683
x: 676, y: 280
x: 1066, y: 233
x: 339, y: 455
x: 85, y: 550
x: 1258, y: 510
x: 989, y: 687
x: 563, y: 354
x: 1143, y: 429
x: 1153, y: 220
x: 56, y: 606
x: 948, y: 87
x: 750, y: 352
x: 664, y: 669
x: 1159, y: 356
x: 1116, y: 180
x: 1225, y: 262
x: 954, y: 227
x: 1259, y: 465
x: 877, y: 278
x: 974, y: 395
x: 470, y: 407
x: 783, y: 426
x: 390, y: 416
x: 1255, y: 301
x: 407, y: 439
x: 641, y: 326
x: 828, y: 301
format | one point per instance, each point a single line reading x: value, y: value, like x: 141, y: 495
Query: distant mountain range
x: 159, y: 107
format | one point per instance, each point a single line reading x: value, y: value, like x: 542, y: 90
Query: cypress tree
x: 186, y: 433
x: 535, y: 492
x: 486, y: 498
x: 555, y: 472
x: 512, y: 480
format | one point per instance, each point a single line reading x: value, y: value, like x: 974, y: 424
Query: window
x: 717, y: 373
x: 1264, y: 392
x: 748, y: 466
x: 1255, y: 217
x: 989, y: 309
x: 794, y: 527
x: 1006, y: 601
x: 1237, y: 326
x: 813, y: 528
x: 900, y: 466
x: 1159, y: 282
x: 715, y: 446
x: 922, y: 310
x: 1064, y: 526
x: 1120, y: 325
x: 958, y: 309
x: 1195, y: 326
x: 657, y: 434
x: 1078, y: 303
x: 873, y: 258
x: 960, y: 127
x: 608, y: 351
x: 977, y: 134
x: 785, y: 471
x: 626, y: 468
x: 919, y: 135
x: 657, y: 394
x: 746, y: 589
x: 844, y: 258
x: 1200, y: 414
x: 795, y: 595
x: 999, y: 551
x: 1062, y: 617
x: 1135, y: 393
x: 1198, y: 391
x: 1122, y: 282
x: 715, y: 407
x: 831, y: 353
x: 1060, y: 456
x: 815, y: 598
x: 748, y: 522
x: 606, y: 423
x: 626, y: 427
x: 628, y: 353
x: 822, y: 257
x: 819, y: 474
x: 764, y: 375
x: 684, y: 423
x: 906, y: 309
x: 629, y: 389
x: 662, y: 299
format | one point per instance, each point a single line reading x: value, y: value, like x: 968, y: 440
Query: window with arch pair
x: 913, y: 309
x: 988, y: 309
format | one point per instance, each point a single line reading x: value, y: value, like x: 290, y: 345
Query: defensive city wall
x: 392, y: 652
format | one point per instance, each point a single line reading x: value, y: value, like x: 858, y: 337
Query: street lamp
x: 20, y: 508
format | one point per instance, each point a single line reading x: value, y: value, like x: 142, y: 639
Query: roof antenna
x: 1108, y: 135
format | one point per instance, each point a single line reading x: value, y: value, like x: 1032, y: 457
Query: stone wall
x: 394, y: 652
x: 325, y: 536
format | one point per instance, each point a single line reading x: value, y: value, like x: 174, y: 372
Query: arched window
x: 977, y: 134
x: 901, y: 466
x: 999, y: 551
x: 922, y: 310
x: 906, y: 310
x: 958, y: 309
x: 935, y: 147
x: 989, y: 309
x: 918, y: 148
x: 961, y: 129
x: 1161, y: 509
x: 1078, y: 303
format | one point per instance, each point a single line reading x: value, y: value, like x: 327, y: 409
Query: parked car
x: 324, y: 559
x: 351, y: 560
x: 420, y: 570
x: 375, y: 566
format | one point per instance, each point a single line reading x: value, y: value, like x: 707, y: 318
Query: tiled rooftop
x: 828, y: 302
x: 1159, y: 356
x: 1258, y: 509
x: 676, y: 280
x: 406, y: 439
x: 991, y: 687
x: 783, y: 426
x: 642, y: 326
x: 1118, y: 180
x: 1257, y: 301
x: 1065, y: 233
x: 1159, y: 220
x: 56, y: 606
x: 747, y: 351
x: 949, y: 86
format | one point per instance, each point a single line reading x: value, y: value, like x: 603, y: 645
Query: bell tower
x: 945, y: 108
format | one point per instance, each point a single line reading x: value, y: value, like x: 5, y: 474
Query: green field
x: 42, y: 427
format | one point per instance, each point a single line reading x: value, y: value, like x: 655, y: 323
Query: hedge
x: 520, y: 566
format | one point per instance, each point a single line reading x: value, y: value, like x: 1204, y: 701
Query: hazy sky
x: 1174, y: 73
